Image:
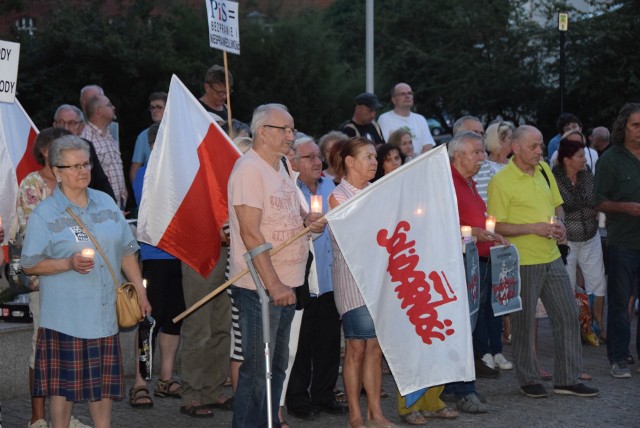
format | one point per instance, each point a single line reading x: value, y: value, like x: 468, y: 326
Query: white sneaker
x: 502, y: 362
x: 488, y: 360
x: 74, y: 423
x: 40, y: 423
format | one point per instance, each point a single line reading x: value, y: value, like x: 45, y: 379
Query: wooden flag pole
x: 224, y: 286
x: 226, y: 77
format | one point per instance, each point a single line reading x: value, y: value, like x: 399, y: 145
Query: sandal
x: 444, y: 413
x: 413, y: 418
x: 196, y: 411
x: 164, y: 388
x: 225, y: 404
x: 138, y: 393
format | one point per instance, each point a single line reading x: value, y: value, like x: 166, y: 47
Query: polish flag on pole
x: 400, y: 238
x: 184, y: 202
x: 17, y: 136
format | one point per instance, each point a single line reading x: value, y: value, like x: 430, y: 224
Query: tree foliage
x: 484, y: 58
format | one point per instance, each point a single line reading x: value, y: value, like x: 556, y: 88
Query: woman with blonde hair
x: 497, y: 142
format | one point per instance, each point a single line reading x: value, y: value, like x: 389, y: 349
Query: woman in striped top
x: 357, y: 165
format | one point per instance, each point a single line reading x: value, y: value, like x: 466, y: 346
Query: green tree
x: 605, y: 72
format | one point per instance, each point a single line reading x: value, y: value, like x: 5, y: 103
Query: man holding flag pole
x: 264, y: 208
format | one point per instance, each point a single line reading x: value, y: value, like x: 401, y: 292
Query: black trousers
x: 315, y: 370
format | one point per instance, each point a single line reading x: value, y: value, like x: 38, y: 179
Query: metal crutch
x: 264, y: 302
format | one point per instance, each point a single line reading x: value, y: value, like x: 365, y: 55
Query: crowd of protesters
x: 590, y: 187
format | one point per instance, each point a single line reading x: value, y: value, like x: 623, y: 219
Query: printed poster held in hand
x: 401, y: 241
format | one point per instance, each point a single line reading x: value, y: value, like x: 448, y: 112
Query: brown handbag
x: 127, y: 303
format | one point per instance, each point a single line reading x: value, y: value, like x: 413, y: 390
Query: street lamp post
x: 563, y: 25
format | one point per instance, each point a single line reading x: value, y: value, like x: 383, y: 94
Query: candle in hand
x: 316, y: 203
x: 490, y: 224
x: 466, y: 231
x: 553, y: 219
x: 88, y: 253
x: 0, y: 220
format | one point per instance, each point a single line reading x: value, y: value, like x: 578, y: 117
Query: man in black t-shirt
x: 214, y: 99
x: 363, y: 123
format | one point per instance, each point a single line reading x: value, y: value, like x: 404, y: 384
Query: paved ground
x: 617, y: 405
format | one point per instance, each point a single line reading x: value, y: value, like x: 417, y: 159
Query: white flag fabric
x: 17, y: 136
x: 184, y: 200
x: 400, y: 238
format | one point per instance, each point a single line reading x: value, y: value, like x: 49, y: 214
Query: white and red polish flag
x: 184, y: 201
x: 400, y: 238
x: 17, y: 136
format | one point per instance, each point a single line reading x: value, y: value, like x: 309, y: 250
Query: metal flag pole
x: 264, y: 303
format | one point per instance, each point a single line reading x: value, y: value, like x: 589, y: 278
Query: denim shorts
x: 358, y: 324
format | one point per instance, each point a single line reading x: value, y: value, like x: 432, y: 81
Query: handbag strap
x: 95, y: 243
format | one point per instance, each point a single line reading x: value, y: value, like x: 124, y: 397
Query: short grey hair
x: 60, y: 145
x: 456, y: 143
x: 601, y: 134
x: 243, y: 143
x: 304, y: 139
x: 92, y: 105
x: 458, y: 124
x: 329, y: 137
x: 261, y: 113
x: 87, y: 88
x: 65, y: 107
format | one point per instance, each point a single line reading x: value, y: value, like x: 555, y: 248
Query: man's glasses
x: 153, y: 107
x: 403, y: 94
x: 220, y: 93
x: 77, y: 167
x: 313, y: 157
x: 70, y: 124
x: 286, y: 129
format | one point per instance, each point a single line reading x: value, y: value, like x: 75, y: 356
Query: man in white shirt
x: 402, y: 117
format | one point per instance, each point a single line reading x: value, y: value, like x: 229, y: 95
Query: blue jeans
x: 624, y: 273
x: 250, y: 400
x: 460, y: 389
x: 487, y: 336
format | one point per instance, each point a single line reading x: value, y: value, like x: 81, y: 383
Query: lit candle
x: 553, y: 219
x: 466, y: 231
x: 0, y: 220
x: 316, y: 204
x: 144, y: 283
x: 490, y: 224
x: 602, y: 220
x: 88, y: 253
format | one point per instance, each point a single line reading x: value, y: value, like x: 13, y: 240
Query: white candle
x: 602, y: 220
x: 88, y: 253
x: 144, y: 283
x: 490, y: 224
x: 466, y: 231
x: 553, y: 219
x: 316, y: 204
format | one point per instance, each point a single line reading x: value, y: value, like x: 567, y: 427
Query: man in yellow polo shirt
x: 523, y: 197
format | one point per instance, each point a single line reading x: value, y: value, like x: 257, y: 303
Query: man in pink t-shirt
x: 264, y: 207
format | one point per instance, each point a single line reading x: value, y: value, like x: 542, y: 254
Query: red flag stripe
x: 193, y: 235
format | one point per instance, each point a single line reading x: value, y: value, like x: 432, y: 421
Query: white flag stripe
x: 422, y: 194
x: 174, y: 162
x: 15, y: 127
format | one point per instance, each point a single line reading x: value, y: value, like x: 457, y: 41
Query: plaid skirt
x: 77, y: 369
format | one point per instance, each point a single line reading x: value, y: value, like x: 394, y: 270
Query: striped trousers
x: 549, y: 282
